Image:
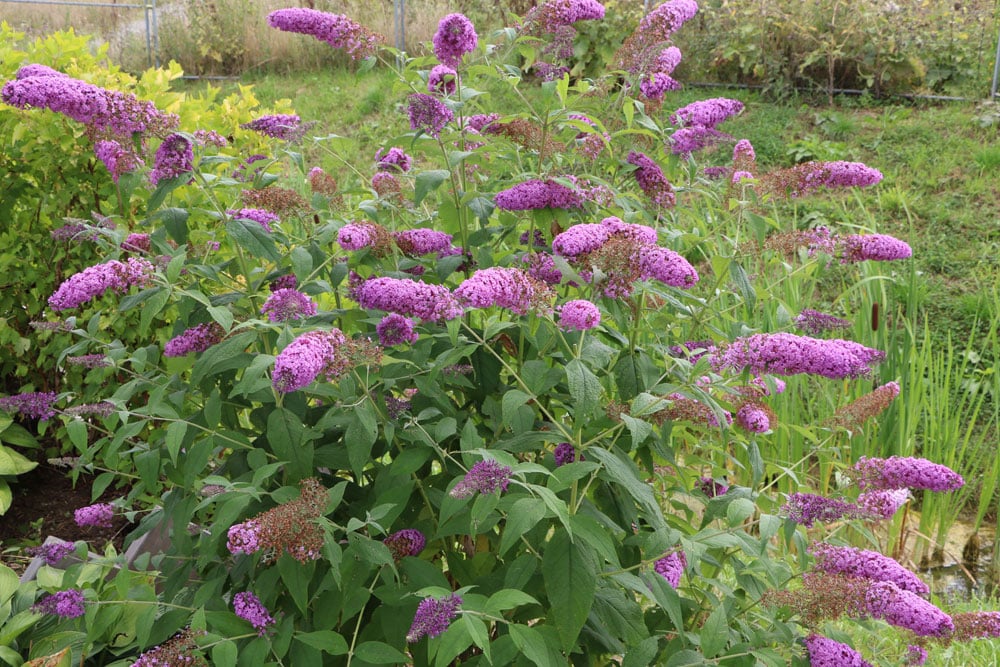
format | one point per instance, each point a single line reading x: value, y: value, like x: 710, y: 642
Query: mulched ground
x: 43, y: 505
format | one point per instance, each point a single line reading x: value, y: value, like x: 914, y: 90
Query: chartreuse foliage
x: 555, y: 565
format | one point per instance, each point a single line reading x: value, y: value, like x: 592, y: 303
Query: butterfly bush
x: 327, y: 379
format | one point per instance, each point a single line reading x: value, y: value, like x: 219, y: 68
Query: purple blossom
x: 429, y: 303
x: 248, y: 607
x: 666, y: 60
x: 89, y: 361
x: 814, y: 322
x: 35, y: 69
x: 916, y: 655
x: 666, y: 19
x: 651, y: 180
x: 556, y: 14
x: 504, y: 287
x: 580, y: 239
x: 195, y: 339
x: 825, y: 652
x: 433, y: 617
x: 711, y: 488
x: 443, y: 80
x: 99, y: 515
x: 904, y: 472
x: 886, y: 601
x: 788, y: 354
x: 306, y: 358
x: 881, y: 505
x: 744, y: 154
x: 838, y: 174
x: 478, y: 122
x: 753, y: 418
x: 394, y: 159
x: 287, y: 281
x: 356, y: 236
x: 687, y: 140
x: 67, y: 604
x: 428, y: 114
x: 863, y: 564
x: 656, y: 85
x: 337, y: 30
x: 542, y: 267
x: 174, y: 157
x: 261, y: 216
x: 579, y: 315
x: 486, y: 476
x: 210, y: 137
x: 406, y: 542
x: 94, y: 281
x: 53, y: 552
x: 244, y: 538
x: 807, y: 508
x: 34, y: 404
x: 276, y: 126
x: 671, y: 567
x: 873, y: 247
x: 706, y: 113
x: 564, y: 453
x: 422, y: 241
x: 288, y: 304
x: 739, y: 176
x: 394, y: 329
x: 118, y: 159
x: 536, y: 194
x: 454, y: 38
x: 666, y: 266
x: 136, y: 243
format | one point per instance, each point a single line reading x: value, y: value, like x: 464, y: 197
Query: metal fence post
x: 996, y: 70
x: 399, y: 14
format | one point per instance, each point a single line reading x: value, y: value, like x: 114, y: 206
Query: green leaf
x: 643, y: 653
x: 685, y: 658
x: 569, y: 571
x: 427, y: 182
x: 532, y: 644
x: 13, y: 462
x: 217, y: 355
x: 584, y: 387
x: 715, y: 632
x: 362, y: 432
x: 253, y: 238
x: 174, y: 438
x: 380, y: 653
x: 296, y: 577
x: 8, y: 583
x: 175, y: 222
x: 152, y: 307
x: 742, y: 280
x: 623, y: 471
x: 223, y: 316
x: 302, y: 263
x: 6, y: 496
x: 596, y: 536
x: 327, y: 641
x: 164, y: 188
x: 524, y: 514
x: 514, y: 418
x: 739, y: 510
x: 508, y: 598
x: 224, y: 653
x: 288, y: 439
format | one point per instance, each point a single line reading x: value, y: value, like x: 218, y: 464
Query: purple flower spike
x: 508, y: 288
x: 753, y: 418
x: 428, y: 114
x: 807, y: 508
x: 825, y: 652
x: 904, y: 472
x: 337, y: 30
x: 881, y: 505
x: 288, y: 304
x: 174, y: 157
x: 671, y: 567
x: 788, y: 354
x: 248, y: 607
x: 53, y: 552
x: 394, y: 329
x: 486, y: 476
x: 422, y: 241
x: 652, y: 181
x: 406, y: 542
x: 579, y: 315
x: 394, y: 159
x: 276, y: 126
x: 711, y: 488
x: 873, y: 247
x: 305, y: 359
x: 916, y: 655
x: 94, y: 281
x: 35, y: 404
x: 99, y: 515
x: 442, y: 80
x: 454, y: 38
x: 196, y: 339
x: 244, y: 538
x: 886, y: 601
x: 862, y: 564
x: 261, y: 216
x: 433, y: 617
x: 564, y: 453
x: 68, y: 604
x: 706, y: 113
x: 429, y: 303
x: 665, y: 265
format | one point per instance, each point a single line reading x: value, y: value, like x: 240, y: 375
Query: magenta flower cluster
x: 244, y: 538
x: 433, y: 616
x: 428, y: 114
x: 651, y: 180
x: 536, y: 194
x: 564, y: 453
x: 306, y: 358
x: 691, y: 139
x: 276, y: 126
x: 337, y: 30
x: 904, y: 472
x: 486, y: 476
x: 34, y: 404
x: 825, y: 652
x: 99, y: 515
x: 406, y: 542
x: 706, y: 113
x: 659, y: 24
x: 194, y: 339
x: 429, y: 303
x: 886, y: 601
x: 394, y: 159
x: 422, y: 241
x: 454, y: 38
x: 788, y: 354
x: 753, y: 418
x: 814, y: 322
x: 118, y: 159
x: 864, y: 564
x: 67, y: 604
x: 174, y: 158
x: 671, y: 567
x: 579, y: 315
x: 508, y: 288
x: 284, y: 305
x: 248, y: 606
x: 873, y: 247
x: 394, y: 329
x: 52, y: 552
x: 95, y: 280
x: 442, y: 80
x: 261, y: 216
x: 588, y: 237
x: 556, y: 14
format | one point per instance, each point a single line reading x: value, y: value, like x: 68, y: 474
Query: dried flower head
x: 406, y: 542
x: 181, y: 649
x: 860, y: 410
x: 281, y: 201
x: 288, y: 528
